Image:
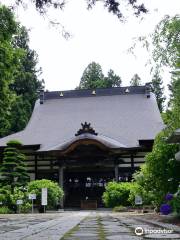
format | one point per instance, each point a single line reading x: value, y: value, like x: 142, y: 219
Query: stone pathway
x: 83, y: 225
x: 112, y: 227
x: 39, y: 227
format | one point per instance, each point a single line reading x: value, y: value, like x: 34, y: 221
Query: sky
x: 96, y: 35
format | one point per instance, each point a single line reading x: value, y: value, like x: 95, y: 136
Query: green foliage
x: 14, y: 143
x: 120, y: 209
x: 176, y: 202
x: 9, y: 198
x: 8, y: 65
x: 174, y: 103
x: 20, y: 193
x: 117, y: 194
x: 55, y: 193
x: 93, y: 78
x: 8, y: 26
x: 135, y: 80
x: 113, y: 6
x: 26, y: 207
x: 5, y: 210
x: 160, y: 174
x: 137, y: 189
x: 26, y: 83
x: 112, y: 80
x: 13, y: 168
x: 5, y: 195
x: 18, y: 76
x: 20, y: 114
x: 166, y: 41
x: 158, y: 90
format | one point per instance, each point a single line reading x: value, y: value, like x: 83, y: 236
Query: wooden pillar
x: 116, y: 170
x: 36, y: 169
x: 61, y: 176
x: 132, y: 163
x: 61, y: 180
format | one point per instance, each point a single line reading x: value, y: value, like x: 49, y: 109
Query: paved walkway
x: 39, y: 226
x: 83, y: 225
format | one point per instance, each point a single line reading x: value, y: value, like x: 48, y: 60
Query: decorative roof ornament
x: 86, y: 128
x: 41, y: 96
x: 61, y: 94
x: 148, y: 89
x: 127, y: 90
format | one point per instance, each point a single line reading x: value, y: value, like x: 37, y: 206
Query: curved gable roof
x: 125, y: 118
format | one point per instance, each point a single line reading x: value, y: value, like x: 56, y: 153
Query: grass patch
x: 70, y: 232
x: 101, y: 232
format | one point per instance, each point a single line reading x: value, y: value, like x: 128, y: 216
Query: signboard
x: 138, y: 200
x: 19, y: 202
x: 44, y: 196
x: 32, y: 196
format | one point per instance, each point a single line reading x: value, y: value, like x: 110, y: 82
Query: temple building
x: 86, y: 138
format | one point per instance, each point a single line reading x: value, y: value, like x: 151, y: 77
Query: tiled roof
x: 119, y: 116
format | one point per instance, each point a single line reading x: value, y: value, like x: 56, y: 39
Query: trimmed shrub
x: 5, y: 210
x: 9, y: 200
x: 20, y: 193
x: 55, y: 193
x: 13, y: 168
x: 147, y: 197
x: 26, y: 207
x: 117, y: 194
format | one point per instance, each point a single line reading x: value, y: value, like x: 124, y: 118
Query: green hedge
x: 9, y: 199
x: 117, y: 194
x: 55, y: 193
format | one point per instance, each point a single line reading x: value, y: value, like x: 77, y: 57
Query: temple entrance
x: 85, y: 166
x: 89, y: 185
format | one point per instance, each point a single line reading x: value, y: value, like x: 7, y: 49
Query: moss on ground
x: 70, y: 232
x: 101, y: 232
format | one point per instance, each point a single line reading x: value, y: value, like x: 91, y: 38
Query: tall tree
x: 112, y: 80
x: 158, y: 90
x: 9, y: 64
x: 174, y: 103
x: 93, y: 77
x: 166, y: 41
x: 26, y: 83
x: 166, y: 52
x: 135, y: 80
x: 160, y: 173
x: 19, y: 76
